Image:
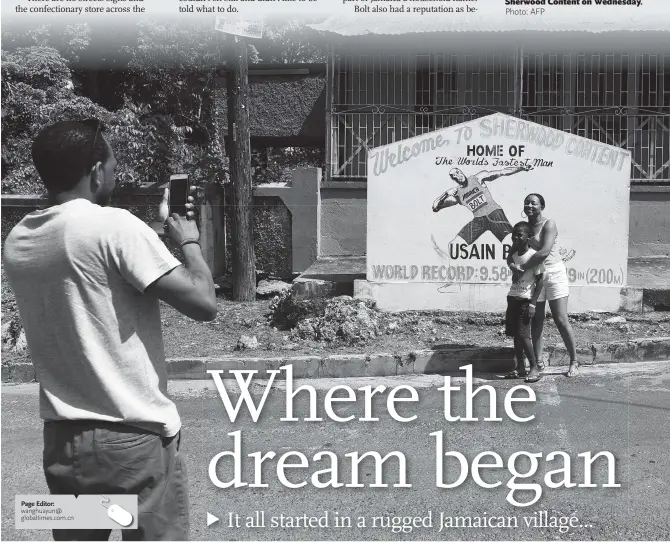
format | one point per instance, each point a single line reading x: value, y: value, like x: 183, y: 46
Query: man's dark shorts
x: 496, y: 222
x: 517, y: 319
x: 110, y: 458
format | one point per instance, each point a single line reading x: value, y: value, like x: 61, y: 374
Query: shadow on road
x: 654, y: 407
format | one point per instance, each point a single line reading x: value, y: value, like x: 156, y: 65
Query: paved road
x: 620, y: 408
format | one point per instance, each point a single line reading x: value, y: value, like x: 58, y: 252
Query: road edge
x: 439, y: 360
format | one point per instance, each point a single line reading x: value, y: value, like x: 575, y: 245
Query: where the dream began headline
x: 329, y: 476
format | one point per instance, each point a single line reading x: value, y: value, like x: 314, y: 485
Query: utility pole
x: 239, y: 153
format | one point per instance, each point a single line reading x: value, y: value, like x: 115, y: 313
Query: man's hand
x: 180, y: 229
x: 524, y: 167
x: 188, y: 288
x: 531, y: 310
x: 161, y: 225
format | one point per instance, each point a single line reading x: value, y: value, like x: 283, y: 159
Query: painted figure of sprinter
x: 473, y: 194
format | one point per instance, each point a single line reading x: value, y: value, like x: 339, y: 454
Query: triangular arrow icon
x: 211, y: 519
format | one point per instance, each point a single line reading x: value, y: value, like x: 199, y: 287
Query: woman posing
x: 556, y: 286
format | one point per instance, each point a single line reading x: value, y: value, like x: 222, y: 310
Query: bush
x: 37, y: 90
x: 160, y: 124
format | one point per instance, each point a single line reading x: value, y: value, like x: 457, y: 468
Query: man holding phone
x: 88, y: 279
x: 179, y: 194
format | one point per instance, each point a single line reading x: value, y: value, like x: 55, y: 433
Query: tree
x: 36, y: 90
x: 40, y: 86
x: 171, y: 73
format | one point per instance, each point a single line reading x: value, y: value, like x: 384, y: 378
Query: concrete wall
x: 272, y: 227
x: 395, y: 297
x: 343, y: 219
x: 143, y: 204
x: 649, y: 224
x: 298, y: 243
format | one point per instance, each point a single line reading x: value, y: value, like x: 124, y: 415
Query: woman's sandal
x: 573, y: 370
x: 532, y: 379
x: 513, y: 375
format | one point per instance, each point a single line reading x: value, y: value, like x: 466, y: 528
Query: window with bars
x: 424, y: 91
x: 621, y: 99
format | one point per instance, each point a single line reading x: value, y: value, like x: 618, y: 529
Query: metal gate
x: 621, y: 99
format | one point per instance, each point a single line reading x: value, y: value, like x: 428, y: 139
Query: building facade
x: 610, y: 87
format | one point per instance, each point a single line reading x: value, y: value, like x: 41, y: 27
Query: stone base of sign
x: 310, y: 288
x: 395, y: 297
x: 336, y: 269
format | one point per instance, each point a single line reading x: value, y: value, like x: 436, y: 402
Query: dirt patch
x: 345, y: 325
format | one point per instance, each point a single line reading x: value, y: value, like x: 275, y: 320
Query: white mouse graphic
x: 120, y: 515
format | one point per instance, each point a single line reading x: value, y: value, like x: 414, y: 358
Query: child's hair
x: 539, y: 197
x: 522, y: 226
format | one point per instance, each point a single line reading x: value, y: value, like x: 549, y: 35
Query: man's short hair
x: 67, y: 150
x: 523, y: 225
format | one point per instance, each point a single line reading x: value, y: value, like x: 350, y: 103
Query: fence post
x: 213, y: 229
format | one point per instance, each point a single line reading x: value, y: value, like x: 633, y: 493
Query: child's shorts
x: 517, y: 319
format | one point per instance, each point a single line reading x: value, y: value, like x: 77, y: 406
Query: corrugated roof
x: 364, y: 24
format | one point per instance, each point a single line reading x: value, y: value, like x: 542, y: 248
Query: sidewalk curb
x: 354, y: 365
x: 441, y: 360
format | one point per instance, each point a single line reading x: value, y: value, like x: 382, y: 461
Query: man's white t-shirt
x: 524, y: 288
x: 79, y: 271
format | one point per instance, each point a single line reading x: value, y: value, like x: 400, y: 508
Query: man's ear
x: 97, y: 177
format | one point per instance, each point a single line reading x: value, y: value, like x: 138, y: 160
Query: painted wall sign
x: 441, y: 206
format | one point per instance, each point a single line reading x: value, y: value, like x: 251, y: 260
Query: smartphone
x: 179, y: 189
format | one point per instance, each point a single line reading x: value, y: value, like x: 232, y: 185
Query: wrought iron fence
x: 621, y: 99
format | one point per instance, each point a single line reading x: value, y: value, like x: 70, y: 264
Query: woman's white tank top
x: 554, y: 257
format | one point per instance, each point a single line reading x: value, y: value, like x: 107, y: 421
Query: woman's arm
x: 547, y: 240
x: 517, y: 272
x: 510, y: 260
